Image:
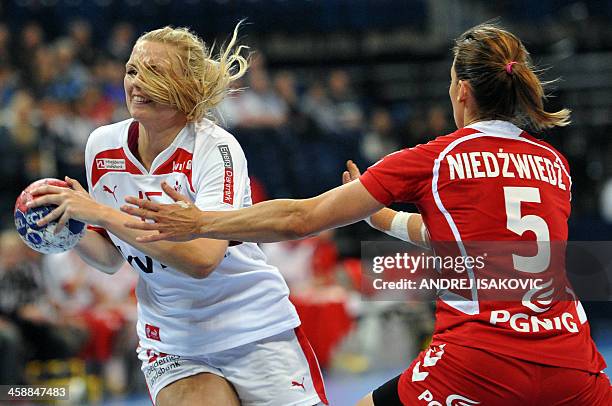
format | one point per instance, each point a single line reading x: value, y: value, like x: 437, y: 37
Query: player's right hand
x: 352, y: 172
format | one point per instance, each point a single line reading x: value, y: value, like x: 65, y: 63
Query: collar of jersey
x: 497, y: 127
x: 159, y: 159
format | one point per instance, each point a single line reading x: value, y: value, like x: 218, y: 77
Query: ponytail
x: 530, y: 97
x: 504, y: 81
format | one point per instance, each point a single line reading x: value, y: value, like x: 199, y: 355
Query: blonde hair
x: 503, y: 78
x: 200, y: 80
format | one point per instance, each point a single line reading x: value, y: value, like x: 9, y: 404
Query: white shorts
x: 281, y: 370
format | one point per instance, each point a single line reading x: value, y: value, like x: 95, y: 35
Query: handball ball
x: 43, y: 239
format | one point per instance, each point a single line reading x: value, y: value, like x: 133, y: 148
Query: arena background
x: 330, y: 80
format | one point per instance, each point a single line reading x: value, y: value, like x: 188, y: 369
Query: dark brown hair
x: 514, y: 93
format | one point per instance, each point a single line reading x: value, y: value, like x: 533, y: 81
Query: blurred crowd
x: 298, y: 133
x: 57, y: 307
x: 52, y: 95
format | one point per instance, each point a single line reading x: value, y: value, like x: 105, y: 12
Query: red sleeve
x: 403, y: 176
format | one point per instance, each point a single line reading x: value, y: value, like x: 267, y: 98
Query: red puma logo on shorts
x: 299, y: 385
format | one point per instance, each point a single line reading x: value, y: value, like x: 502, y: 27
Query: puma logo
x: 298, y: 384
x: 112, y: 192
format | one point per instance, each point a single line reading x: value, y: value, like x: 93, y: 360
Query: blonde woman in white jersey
x: 215, y: 323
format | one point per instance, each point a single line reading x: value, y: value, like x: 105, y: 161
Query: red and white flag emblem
x: 152, y: 332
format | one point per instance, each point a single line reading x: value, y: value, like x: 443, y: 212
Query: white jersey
x: 244, y: 299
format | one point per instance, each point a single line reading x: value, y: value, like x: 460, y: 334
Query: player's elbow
x: 109, y: 265
x: 203, y: 268
x: 199, y: 272
x: 112, y: 268
x: 298, y: 230
x: 300, y: 225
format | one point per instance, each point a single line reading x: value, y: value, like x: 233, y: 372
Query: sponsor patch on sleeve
x: 228, y: 174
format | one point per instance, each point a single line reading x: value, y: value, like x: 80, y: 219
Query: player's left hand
x: 352, y: 172
x: 72, y: 203
x: 174, y: 222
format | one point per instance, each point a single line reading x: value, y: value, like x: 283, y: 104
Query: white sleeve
x: 222, y: 179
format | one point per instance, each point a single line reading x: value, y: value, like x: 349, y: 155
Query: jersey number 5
x: 518, y: 224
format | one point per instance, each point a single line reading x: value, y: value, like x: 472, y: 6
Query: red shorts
x: 452, y: 375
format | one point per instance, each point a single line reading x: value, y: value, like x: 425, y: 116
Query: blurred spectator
x: 6, y: 57
x: 229, y: 109
x: 302, y: 124
x: 95, y: 106
x: 14, y: 179
x: 380, y: 139
x: 80, y: 34
x: 31, y: 39
x: 13, y: 353
x: 72, y: 77
x: 11, y: 341
x: 120, y: 42
x: 24, y: 132
x: 286, y: 88
x: 258, y: 190
x: 419, y: 131
x: 438, y: 121
x: 306, y: 264
x: 260, y: 106
x: 347, y: 110
x: 109, y: 74
x: 258, y: 115
x: 44, y: 72
x: 68, y: 124
x: 318, y: 106
x: 8, y: 84
x: 257, y: 62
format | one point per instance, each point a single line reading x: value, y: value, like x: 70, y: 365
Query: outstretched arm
x: 404, y: 226
x: 273, y: 220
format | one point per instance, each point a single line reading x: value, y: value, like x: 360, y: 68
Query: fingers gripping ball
x: 43, y: 239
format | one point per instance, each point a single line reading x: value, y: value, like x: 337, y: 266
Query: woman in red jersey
x: 488, y: 181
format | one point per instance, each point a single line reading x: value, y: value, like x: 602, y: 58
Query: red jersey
x: 491, y: 181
